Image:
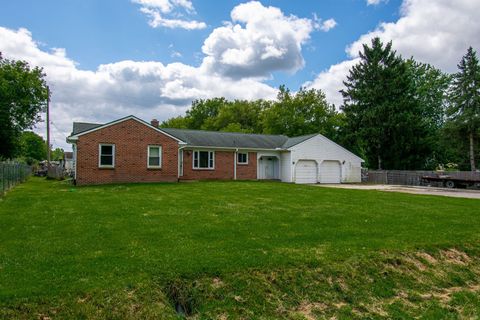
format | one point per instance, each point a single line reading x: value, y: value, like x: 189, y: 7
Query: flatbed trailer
x: 452, y: 181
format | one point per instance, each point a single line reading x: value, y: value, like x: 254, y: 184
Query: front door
x: 269, y: 168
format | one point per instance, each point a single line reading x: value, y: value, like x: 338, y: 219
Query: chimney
x: 154, y: 123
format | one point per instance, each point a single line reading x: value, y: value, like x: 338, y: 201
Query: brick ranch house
x: 132, y: 150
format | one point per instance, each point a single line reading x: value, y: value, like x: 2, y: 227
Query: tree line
x: 23, y: 96
x: 396, y: 114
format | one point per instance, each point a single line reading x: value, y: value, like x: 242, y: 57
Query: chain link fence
x: 11, y: 174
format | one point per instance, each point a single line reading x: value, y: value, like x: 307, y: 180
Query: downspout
x: 74, y: 145
x: 235, y: 164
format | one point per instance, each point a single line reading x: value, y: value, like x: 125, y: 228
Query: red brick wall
x: 223, y: 167
x: 131, y: 139
x: 224, y: 162
x: 248, y: 171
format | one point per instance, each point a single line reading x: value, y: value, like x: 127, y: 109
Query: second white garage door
x: 330, y: 172
x: 306, y: 171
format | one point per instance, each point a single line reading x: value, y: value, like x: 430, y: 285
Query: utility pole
x: 48, y: 127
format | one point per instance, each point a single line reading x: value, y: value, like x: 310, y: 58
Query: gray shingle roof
x: 296, y: 140
x: 227, y: 139
x: 202, y: 138
x: 79, y: 127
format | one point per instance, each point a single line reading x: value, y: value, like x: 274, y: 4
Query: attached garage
x: 330, y: 171
x: 306, y: 171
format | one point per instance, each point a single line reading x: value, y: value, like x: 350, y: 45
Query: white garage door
x: 330, y: 172
x: 306, y: 171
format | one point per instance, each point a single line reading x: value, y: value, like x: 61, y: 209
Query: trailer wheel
x: 450, y: 184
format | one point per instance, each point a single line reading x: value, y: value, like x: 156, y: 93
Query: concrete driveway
x: 457, y: 193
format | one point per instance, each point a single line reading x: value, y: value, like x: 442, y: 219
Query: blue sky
x: 107, y: 59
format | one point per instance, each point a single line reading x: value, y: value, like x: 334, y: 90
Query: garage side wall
x: 319, y: 149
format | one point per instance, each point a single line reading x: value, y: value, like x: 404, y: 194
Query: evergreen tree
x: 382, y: 116
x: 465, y: 101
x: 431, y: 92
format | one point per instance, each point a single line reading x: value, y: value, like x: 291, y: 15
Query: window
x: 106, y: 156
x: 154, y: 157
x: 203, y: 160
x: 242, y: 158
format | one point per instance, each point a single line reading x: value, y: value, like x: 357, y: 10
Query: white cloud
x: 146, y: 89
x: 164, y: 6
x: 157, y: 9
x: 324, y: 26
x: 235, y: 57
x: 173, y: 52
x: 437, y: 32
x: 328, y: 24
x: 258, y: 41
x: 375, y: 2
x: 432, y: 31
x: 331, y: 81
x: 157, y: 20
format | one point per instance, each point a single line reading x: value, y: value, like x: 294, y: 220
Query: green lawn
x: 234, y: 249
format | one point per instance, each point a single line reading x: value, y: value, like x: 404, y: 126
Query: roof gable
x: 296, y: 140
x: 79, y: 127
x: 325, y: 139
x: 91, y: 127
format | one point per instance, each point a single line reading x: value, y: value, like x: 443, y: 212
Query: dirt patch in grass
x: 427, y: 257
x: 445, y: 295
x: 217, y: 283
x: 308, y: 309
x: 455, y: 256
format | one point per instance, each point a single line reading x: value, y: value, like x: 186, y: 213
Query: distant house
x: 132, y: 150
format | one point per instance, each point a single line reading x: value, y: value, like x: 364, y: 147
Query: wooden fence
x: 11, y: 174
x: 412, y: 178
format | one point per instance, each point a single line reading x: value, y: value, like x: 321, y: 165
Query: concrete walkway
x: 457, y: 193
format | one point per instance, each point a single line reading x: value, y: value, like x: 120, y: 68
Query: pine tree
x: 465, y: 100
x: 383, y: 117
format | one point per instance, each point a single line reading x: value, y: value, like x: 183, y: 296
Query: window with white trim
x: 154, y: 157
x: 106, y: 155
x: 203, y: 160
x: 242, y: 158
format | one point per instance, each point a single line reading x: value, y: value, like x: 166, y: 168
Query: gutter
x: 234, y: 148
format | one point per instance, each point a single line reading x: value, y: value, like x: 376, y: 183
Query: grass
x: 235, y: 250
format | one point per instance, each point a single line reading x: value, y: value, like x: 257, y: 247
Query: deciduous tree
x: 23, y: 95
x: 32, y: 147
x: 304, y: 112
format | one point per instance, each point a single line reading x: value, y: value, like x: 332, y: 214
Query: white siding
x: 320, y: 148
x: 286, y: 166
